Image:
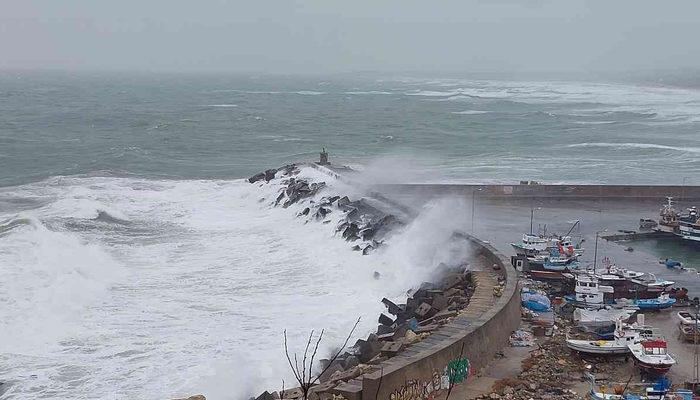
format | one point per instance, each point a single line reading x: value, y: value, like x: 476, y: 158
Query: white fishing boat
x: 601, y: 317
x: 588, y: 292
x: 689, y: 225
x: 623, y: 337
x: 531, y: 245
x: 687, y: 318
x: 669, y: 218
x: 651, y: 355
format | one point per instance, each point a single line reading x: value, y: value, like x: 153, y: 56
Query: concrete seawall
x: 465, y: 345
x: 523, y: 191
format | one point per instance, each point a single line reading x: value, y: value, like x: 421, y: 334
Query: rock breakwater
x: 362, y: 223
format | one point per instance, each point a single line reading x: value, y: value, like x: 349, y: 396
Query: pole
x: 532, y: 215
x: 595, y: 253
x: 473, y: 197
x: 696, y: 369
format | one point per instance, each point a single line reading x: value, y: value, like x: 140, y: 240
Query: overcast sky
x: 350, y: 35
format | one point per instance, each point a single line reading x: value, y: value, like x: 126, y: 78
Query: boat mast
x: 595, y: 253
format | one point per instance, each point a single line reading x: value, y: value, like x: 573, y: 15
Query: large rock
x: 391, y: 306
x: 270, y: 174
x: 384, y: 320
x: 256, y: 177
x: 195, y: 397
x: 268, y: 396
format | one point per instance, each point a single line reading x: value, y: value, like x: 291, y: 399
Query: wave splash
x: 101, y: 309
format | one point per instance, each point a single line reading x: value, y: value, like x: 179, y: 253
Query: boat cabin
x: 588, y: 290
x: 655, y: 347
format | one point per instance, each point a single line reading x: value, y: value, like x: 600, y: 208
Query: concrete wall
x: 427, y: 367
x: 649, y: 192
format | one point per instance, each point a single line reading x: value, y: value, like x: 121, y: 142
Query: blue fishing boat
x: 671, y: 263
x: 662, y: 302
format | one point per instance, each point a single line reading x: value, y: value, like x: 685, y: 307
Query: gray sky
x: 350, y: 35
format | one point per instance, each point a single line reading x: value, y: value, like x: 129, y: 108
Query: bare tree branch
x: 306, y: 382
x: 311, y: 364
x: 345, y: 343
x: 306, y: 351
x: 286, y: 352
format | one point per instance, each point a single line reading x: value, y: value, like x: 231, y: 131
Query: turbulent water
x: 184, y: 126
x: 136, y: 263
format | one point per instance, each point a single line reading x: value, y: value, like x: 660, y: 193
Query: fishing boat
x: 658, y: 391
x: 689, y: 333
x: 660, y: 303
x: 552, y: 257
x: 601, y: 317
x: 669, y: 263
x: 689, y: 225
x: 646, y: 223
x: 588, y: 293
x: 623, y: 337
x: 631, y: 284
x: 687, y: 318
x: 531, y: 245
x: 651, y: 355
x: 669, y: 218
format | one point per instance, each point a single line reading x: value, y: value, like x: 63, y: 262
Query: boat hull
x: 653, y: 369
x: 596, y: 347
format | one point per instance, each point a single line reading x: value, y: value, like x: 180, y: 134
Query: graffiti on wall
x: 456, y: 371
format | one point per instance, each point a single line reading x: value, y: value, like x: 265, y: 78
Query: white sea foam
x: 369, y: 92
x: 638, y: 146
x: 470, y: 112
x: 192, y: 295
x: 309, y: 92
x: 664, y: 104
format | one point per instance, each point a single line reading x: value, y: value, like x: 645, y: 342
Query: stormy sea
x: 137, y: 262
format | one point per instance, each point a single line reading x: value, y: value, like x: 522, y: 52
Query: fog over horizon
x: 314, y: 36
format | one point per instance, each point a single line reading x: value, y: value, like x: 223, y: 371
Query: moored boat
x: 632, y: 284
x: 689, y: 225
x: 669, y: 218
x: 660, y: 303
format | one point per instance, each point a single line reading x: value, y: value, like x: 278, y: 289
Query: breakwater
x: 471, y: 339
x: 656, y: 193
x: 480, y: 311
x: 625, y: 236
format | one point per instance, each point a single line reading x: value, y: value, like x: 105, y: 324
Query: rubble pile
x: 547, y: 373
x: 360, y: 222
x: 426, y: 309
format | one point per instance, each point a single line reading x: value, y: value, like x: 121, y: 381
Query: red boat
x: 651, y: 356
